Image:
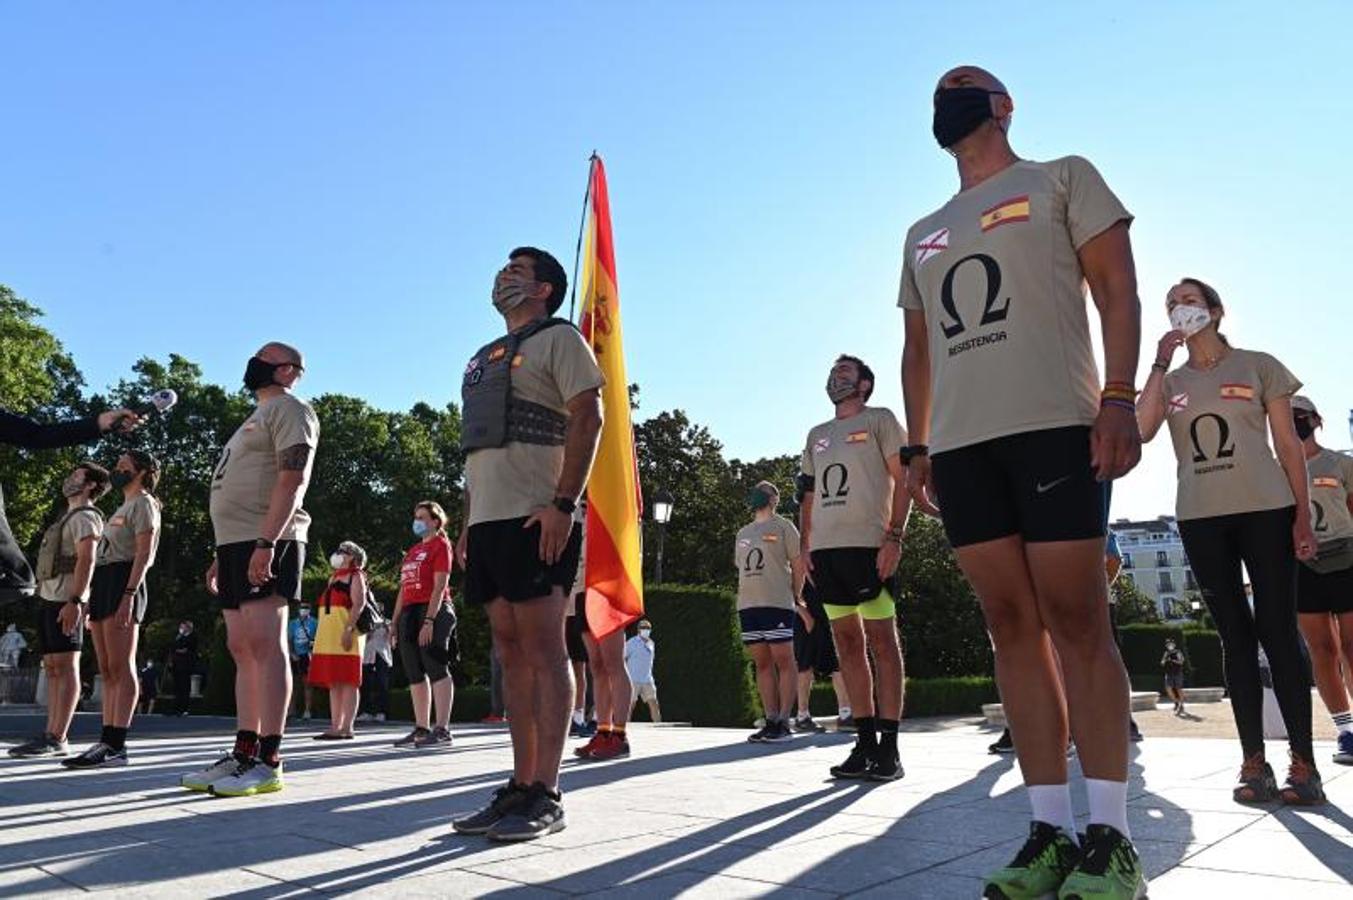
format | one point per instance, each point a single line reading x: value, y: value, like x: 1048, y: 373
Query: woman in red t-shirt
x: 425, y: 627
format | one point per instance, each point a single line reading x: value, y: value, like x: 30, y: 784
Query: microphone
x: 159, y: 402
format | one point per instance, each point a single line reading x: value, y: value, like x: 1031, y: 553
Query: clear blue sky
x: 348, y: 176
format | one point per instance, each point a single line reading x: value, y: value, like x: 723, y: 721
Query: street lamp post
x: 662, y: 514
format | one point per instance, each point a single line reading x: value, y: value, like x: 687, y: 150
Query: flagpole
x: 582, y: 224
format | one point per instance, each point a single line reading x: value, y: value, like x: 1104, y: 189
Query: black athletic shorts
x: 432, y: 662
x: 1038, y: 485
x: 232, y: 573
x: 574, y: 626
x: 815, y: 650
x: 105, y: 592
x: 503, y: 560
x: 1330, y: 593
x: 51, y: 639
x: 846, y: 576
x: 767, y: 624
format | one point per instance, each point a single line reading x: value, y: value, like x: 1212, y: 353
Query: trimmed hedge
x: 700, y: 666
x: 1143, y: 645
x: 962, y: 696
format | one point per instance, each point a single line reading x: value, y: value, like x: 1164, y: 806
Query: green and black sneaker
x: 1109, y: 869
x: 1039, y: 868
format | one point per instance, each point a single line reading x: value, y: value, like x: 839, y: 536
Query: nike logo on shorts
x: 1044, y: 488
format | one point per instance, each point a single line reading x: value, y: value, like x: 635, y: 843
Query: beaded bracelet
x: 1121, y: 404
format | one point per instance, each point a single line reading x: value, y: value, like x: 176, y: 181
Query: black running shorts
x: 503, y: 560
x: 846, y: 576
x: 1038, y: 485
x: 232, y: 573
x: 815, y: 650
x: 1328, y: 593
x: 105, y: 592
x: 767, y: 624
x: 51, y: 639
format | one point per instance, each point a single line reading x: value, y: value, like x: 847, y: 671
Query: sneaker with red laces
x: 614, y: 746
x: 1303, y: 786
x: 585, y: 751
x: 1257, y: 784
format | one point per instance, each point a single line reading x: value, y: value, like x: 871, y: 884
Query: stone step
x: 1140, y: 702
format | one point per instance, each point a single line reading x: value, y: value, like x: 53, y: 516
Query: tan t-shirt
x: 1331, y: 483
x: 762, y: 553
x: 513, y: 481
x: 996, y: 272
x: 83, y: 526
x: 853, y: 490
x: 134, y: 517
x: 247, y: 471
x: 1219, y: 425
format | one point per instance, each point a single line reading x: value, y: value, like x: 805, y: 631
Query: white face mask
x: 336, y: 560
x: 644, y: 633
x: 1189, y: 320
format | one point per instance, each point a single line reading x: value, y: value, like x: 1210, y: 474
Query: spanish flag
x: 614, y: 573
x: 1016, y: 209
x: 1237, y: 392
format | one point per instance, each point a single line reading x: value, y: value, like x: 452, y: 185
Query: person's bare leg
x: 241, y: 650
x: 882, y: 637
x: 540, y: 641
x: 350, y: 698
x: 1073, y: 603
x: 443, y: 695
x: 612, y: 647
x: 848, y: 631
x: 782, y: 658
x: 654, y: 711
x: 265, y: 625
x: 421, y: 695
x: 518, y: 689
x: 1322, y: 638
x: 1343, y: 630
x: 119, y: 644
x: 1026, y: 670
x: 61, y: 707
x: 603, y: 697
x: 805, y: 692
x: 766, y: 683
x: 108, y: 704
x: 579, y: 685
x: 839, y: 688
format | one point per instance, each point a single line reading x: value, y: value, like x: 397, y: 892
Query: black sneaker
x: 855, y: 766
x: 778, y: 732
x: 845, y: 723
x: 419, y: 737
x: 505, y: 799
x: 885, y: 766
x: 758, y: 736
x: 808, y: 725
x: 537, y: 815
x: 1004, y: 744
x: 98, y: 755
x: 44, y: 745
x: 1134, y: 733
x: 437, y: 737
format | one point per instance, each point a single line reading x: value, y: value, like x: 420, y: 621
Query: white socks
x: 843, y: 712
x: 1108, y: 804
x: 578, y: 717
x: 1343, y: 721
x: 1052, y: 804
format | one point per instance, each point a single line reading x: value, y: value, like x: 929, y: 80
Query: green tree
x: 943, y: 632
x: 1131, y: 606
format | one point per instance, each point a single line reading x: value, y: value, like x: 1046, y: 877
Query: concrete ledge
x: 1204, y: 694
x: 1140, y: 702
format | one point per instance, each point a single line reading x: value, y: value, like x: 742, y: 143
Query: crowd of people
x: 1011, y: 439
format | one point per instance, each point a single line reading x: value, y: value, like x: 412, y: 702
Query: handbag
x: 371, y: 615
x: 1334, y: 555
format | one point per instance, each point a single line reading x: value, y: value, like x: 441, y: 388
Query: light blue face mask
x: 420, y: 528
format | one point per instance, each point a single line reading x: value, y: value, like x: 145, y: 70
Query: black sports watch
x: 565, y: 505
x: 264, y: 544
x: 911, y: 451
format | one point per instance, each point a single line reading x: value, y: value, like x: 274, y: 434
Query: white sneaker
x: 202, y: 781
x: 365, y: 717
x: 252, y: 777
x: 380, y: 717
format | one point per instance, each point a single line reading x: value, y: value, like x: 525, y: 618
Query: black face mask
x: 958, y: 113
x: 1305, y: 427
x: 259, y: 374
x: 120, y: 479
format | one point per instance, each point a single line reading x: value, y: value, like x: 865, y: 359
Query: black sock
x: 865, y: 734
x: 115, y: 737
x: 888, y: 734
x: 246, y: 745
x: 270, y: 749
x: 105, y: 737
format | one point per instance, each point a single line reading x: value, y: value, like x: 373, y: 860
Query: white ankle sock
x: 578, y: 717
x: 1052, y: 804
x: 1108, y: 804
x: 843, y: 712
x: 1343, y: 721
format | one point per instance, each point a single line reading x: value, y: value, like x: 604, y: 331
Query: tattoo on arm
x: 294, y: 458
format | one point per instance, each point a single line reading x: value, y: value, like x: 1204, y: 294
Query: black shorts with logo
x: 574, y: 626
x: 51, y: 639
x: 1038, y: 485
x: 232, y: 573
x: 503, y: 560
x: 105, y: 592
x: 846, y: 576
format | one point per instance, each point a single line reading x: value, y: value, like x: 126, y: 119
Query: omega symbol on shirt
x: 1320, y: 523
x: 755, y: 561
x: 837, y: 496
x: 991, y: 313
x: 1223, y: 439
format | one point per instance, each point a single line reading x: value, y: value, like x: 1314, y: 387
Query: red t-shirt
x: 424, y: 560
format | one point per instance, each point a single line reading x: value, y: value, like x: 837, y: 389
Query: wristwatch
x: 565, y: 505
x: 911, y: 451
x: 264, y: 544
x: 897, y: 533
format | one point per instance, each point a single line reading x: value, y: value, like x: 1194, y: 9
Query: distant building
x: 1155, y: 561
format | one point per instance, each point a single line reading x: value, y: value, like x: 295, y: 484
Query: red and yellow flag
x: 614, y: 574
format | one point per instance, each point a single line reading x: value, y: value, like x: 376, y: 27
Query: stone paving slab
x: 694, y: 813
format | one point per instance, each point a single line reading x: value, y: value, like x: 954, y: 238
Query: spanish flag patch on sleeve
x: 1016, y: 209
x: 1237, y: 392
x: 497, y: 353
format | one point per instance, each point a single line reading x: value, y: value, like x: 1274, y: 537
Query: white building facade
x: 1155, y: 561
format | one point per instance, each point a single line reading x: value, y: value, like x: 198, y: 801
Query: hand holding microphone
x: 124, y: 421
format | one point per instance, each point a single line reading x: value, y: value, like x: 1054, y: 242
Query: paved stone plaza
x: 694, y: 812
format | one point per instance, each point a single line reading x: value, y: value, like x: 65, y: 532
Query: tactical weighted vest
x: 491, y: 416
x: 53, y: 561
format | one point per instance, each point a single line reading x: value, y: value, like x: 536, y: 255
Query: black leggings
x: 1263, y: 542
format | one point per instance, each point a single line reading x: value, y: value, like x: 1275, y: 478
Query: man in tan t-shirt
x: 261, y: 529
x: 1002, y: 391
x: 531, y: 421
x: 854, y: 518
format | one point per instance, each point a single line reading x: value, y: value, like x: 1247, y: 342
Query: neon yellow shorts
x: 881, y: 607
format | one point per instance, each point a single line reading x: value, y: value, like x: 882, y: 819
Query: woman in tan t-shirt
x: 1238, y: 506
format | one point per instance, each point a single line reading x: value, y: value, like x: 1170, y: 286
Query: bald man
x: 1016, y: 440
x: 256, y: 495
